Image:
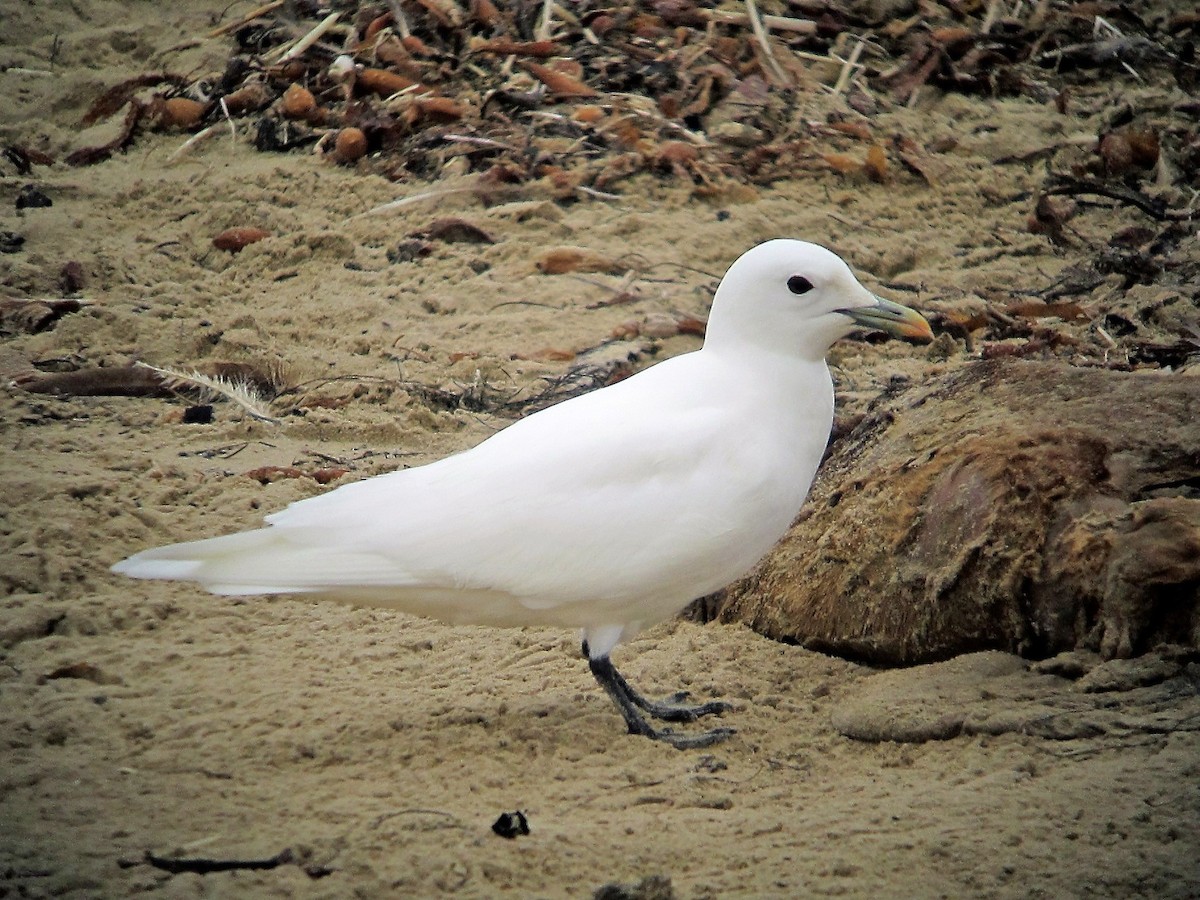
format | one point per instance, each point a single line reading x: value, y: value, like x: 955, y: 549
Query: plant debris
x: 238, y: 238
x: 267, y: 474
x: 576, y: 100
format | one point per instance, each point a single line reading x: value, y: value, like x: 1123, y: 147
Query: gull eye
x: 798, y: 284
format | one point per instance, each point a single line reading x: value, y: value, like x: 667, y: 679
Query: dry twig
x: 246, y: 19
x: 298, y: 48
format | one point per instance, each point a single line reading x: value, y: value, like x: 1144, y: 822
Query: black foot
x: 629, y: 701
x: 672, y: 709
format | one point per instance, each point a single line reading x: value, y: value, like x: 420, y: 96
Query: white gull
x: 608, y: 512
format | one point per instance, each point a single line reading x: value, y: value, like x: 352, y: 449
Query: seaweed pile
x: 579, y: 96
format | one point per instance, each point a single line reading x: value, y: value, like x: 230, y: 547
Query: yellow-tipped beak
x: 892, y: 318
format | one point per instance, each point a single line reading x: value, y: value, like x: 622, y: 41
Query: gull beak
x: 892, y: 318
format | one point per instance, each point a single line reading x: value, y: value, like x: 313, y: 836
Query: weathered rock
x: 996, y: 693
x: 1030, y: 507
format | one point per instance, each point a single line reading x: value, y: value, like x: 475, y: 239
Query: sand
x: 379, y: 749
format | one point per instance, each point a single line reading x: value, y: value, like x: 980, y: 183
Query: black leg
x: 671, y: 709
x: 628, y: 701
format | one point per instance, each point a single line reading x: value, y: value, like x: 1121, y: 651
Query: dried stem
x: 546, y: 23
x: 849, y: 68
x: 246, y: 19
x: 311, y: 38
x: 760, y: 35
x: 775, y: 23
x: 394, y: 205
x: 197, y: 138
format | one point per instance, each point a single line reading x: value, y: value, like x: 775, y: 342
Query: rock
x: 1022, y: 506
x: 652, y: 887
x: 928, y: 703
x: 995, y: 693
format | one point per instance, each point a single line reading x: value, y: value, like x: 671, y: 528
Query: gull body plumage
x: 608, y: 512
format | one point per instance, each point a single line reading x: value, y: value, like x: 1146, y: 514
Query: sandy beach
x: 143, y: 722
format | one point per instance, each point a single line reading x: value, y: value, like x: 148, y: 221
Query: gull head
x: 799, y: 298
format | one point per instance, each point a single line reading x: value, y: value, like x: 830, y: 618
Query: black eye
x: 798, y: 284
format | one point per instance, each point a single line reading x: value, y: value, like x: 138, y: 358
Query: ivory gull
x: 608, y: 512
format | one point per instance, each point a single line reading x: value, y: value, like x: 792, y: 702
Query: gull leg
x: 628, y: 701
x: 671, y: 709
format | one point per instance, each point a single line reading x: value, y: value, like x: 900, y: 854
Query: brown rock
x: 1031, y: 507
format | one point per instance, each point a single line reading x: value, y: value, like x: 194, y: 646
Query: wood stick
x: 311, y: 38
x: 848, y: 69
x: 246, y: 19
x: 760, y: 35
x: 399, y: 19
x: 775, y: 23
x: 546, y: 24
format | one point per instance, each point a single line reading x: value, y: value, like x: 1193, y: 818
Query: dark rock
x: 32, y: 197
x: 201, y: 414
x: 71, y: 278
x: 1030, y: 507
x: 652, y: 887
x: 511, y: 825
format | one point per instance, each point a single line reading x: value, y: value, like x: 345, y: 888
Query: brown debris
x: 24, y: 158
x: 560, y: 83
x: 509, y: 47
x: 267, y: 474
x: 1050, y: 216
x: 251, y: 98
x: 561, y: 260
x: 297, y: 102
x: 181, y: 113
x: 113, y: 381
x: 571, y: 101
x: 236, y: 239
x: 918, y: 159
x: 383, y: 82
x: 876, y: 164
x: 86, y: 156
x: 1067, y: 311
x: 71, y: 277
x: 1153, y: 207
x: 84, y: 671
x: 111, y: 101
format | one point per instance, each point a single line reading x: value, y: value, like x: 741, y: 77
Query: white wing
x: 621, y: 505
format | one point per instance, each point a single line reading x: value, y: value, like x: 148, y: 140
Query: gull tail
x: 264, y: 561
